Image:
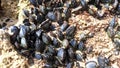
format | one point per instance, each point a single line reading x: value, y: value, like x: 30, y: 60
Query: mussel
x: 61, y: 54
x: 39, y: 45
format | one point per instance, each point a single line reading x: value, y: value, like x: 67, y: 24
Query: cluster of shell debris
x: 45, y: 33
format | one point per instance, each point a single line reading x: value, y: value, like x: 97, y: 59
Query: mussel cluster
x: 113, y: 31
x: 46, y: 34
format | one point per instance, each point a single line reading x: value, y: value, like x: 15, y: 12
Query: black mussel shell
x: 101, y: 61
x: 70, y: 65
x: 38, y: 33
x: 38, y: 56
x: 54, y: 26
x: 70, y: 31
x: 106, y: 1
x: 25, y: 53
x: 17, y: 45
x: 73, y: 4
x: 48, y: 56
x: 110, y: 32
x: 64, y: 26
x: 79, y: 56
x: 51, y: 50
x: 33, y: 2
x: 13, y: 30
x: 51, y: 16
x: 32, y: 19
x: 39, y: 2
x: 58, y: 15
x: 118, y: 9
x: 26, y: 22
x: 113, y: 22
x: 117, y: 42
x: 67, y: 13
x: 61, y: 54
x: 46, y: 25
x: 60, y: 35
x: 35, y: 11
x: 46, y: 39
x: 84, y: 4
x: 73, y: 43
x: 23, y: 31
x: 56, y: 43
x: 26, y: 12
x: 81, y: 46
x: 39, y: 45
x: 40, y: 18
x: 71, y: 53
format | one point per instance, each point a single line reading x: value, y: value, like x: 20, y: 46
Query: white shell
x: 23, y: 42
